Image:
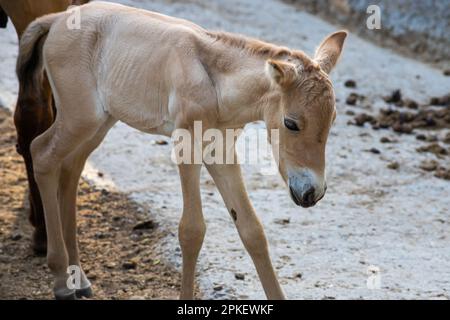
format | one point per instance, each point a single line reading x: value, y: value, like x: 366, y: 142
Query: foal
x: 33, y: 114
x: 158, y: 74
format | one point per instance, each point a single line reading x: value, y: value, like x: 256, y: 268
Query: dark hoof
x: 84, y: 293
x: 69, y: 296
x: 39, y: 244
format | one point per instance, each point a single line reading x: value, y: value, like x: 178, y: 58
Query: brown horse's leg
x: 34, y: 115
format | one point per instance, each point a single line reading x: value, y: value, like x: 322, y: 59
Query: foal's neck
x: 243, y: 88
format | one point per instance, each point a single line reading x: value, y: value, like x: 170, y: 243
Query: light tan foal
x: 158, y: 74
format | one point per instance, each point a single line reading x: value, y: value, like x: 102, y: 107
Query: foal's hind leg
x: 71, y: 170
x: 48, y: 152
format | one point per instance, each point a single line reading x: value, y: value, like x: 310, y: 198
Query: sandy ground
x: 395, y: 221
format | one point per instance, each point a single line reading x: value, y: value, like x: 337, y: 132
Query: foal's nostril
x: 309, y: 196
x: 294, y: 196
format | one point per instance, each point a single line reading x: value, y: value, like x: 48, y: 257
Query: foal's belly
x: 144, y: 117
x: 165, y: 129
x: 140, y: 104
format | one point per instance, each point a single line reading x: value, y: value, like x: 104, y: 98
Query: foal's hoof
x: 39, y: 243
x: 66, y: 296
x: 84, y: 293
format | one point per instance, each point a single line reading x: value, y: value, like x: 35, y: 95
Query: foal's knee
x: 43, y: 160
x: 191, y: 235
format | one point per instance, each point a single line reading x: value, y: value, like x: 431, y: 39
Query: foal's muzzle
x: 305, y: 190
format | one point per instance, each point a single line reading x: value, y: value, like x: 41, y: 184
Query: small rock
x: 283, y: 222
x: 100, y: 235
x: 156, y: 262
x: 411, y: 104
x: 352, y: 99
x: 362, y: 118
x: 350, y: 84
x: 319, y: 284
x: 421, y: 137
x: 100, y: 174
x: 402, y: 127
x: 218, y: 288
x: 395, y: 97
x: 146, y: 225
x: 298, y: 275
x: 374, y: 150
x: 93, y: 276
x: 435, y: 148
x: 393, y: 165
x: 16, y: 237
x: 161, y: 142
x: 430, y: 121
x: 447, y: 72
x: 430, y: 165
x: 129, y: 265
x: 383, y: 125
x: 350, y: 112
x: 440, y: 101
x: 443, y: 173
x: 386, y: 140
x: 434, y: 101
x: 447, y: 138
x: 239, y: 276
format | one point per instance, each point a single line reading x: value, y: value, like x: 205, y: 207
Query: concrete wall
x: 420, y: 29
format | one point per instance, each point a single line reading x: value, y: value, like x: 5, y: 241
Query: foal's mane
x: 314, y: 81
x: 257, y: 47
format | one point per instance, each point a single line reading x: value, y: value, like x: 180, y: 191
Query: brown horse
x: 33, y: 114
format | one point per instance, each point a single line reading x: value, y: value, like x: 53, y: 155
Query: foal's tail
x: 29, y: 67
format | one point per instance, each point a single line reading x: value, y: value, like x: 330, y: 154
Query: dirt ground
x: 116, y: 241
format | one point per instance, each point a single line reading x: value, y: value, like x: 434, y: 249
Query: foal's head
x: 304, y: 115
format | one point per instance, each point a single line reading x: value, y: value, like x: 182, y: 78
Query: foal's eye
x: 291, y: 125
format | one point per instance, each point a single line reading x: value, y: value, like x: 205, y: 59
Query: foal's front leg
x: 229, y: 181
x: 192, y: 226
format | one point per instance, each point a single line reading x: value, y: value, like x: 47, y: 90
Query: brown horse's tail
x: 29, y: 67
x: 3, y: 18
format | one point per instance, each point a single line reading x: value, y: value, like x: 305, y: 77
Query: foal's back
x: 141, y: 62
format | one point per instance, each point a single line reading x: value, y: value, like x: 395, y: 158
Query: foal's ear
x: 282, y: 73
x: 329, y: 51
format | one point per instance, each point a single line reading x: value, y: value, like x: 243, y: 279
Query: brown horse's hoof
x: 84, y: 293
x: 39, y: 244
